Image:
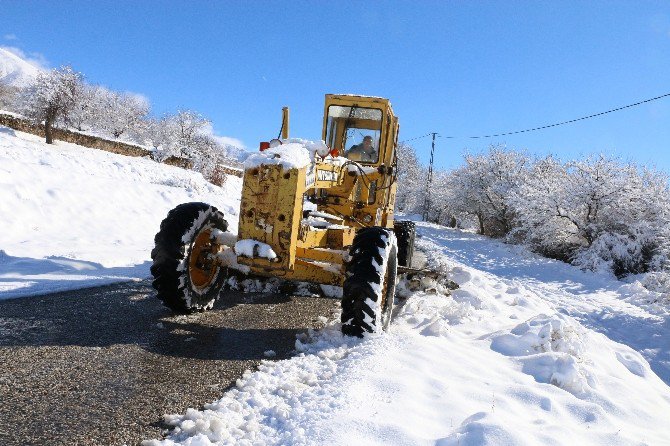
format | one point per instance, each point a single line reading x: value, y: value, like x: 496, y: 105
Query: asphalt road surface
x: 101, y: 366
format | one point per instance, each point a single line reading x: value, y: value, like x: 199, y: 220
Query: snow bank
x: 74, y: 217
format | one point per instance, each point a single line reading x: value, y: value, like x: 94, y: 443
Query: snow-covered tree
x: 108, y: 113
x: 544, y: 221
x: 626, y: 214
x: 410, y: 194
x: 483, y: 188
x: 186, y: 134
x: 51, y: 96
x: 179, y: 134
x: 8, y: 97
x: 597, y: 212
x: 123, y: 113
x: 442, y: 209
x: 85, y: 114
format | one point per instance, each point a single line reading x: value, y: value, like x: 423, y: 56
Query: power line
x: 412, y: 139
x: 549, y: 125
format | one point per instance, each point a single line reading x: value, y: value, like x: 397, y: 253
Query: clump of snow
x: 228, y: 258
x: 293, y: 153
x: 331, y: 291
x: 12, y: 114
x: 357, y: 168
x: 253, y: 248
x: 225, y: 238
x: 321, y: 223
x: 313, y: 147
x: 649, y: 290
x: 424, y: 309
x: 254, y: 285
x: 289, y: 156
x: 541, y: 334
x: 551, y: 349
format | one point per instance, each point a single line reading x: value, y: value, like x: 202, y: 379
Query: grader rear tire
x: 184, y: 277
x: 369, y: 287
x: 405, y: 232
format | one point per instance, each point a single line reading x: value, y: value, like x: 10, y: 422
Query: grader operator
x: 306, y: 214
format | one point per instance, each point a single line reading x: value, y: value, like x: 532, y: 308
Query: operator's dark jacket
x: 365, y: 156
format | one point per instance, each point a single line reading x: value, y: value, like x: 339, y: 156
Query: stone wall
x: 96, y: 142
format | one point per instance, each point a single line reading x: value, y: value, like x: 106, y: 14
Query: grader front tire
x: 185, y: 276
x: 369, y: 287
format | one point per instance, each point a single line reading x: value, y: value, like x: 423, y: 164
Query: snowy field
x: 75, y: 217
x: 527, y: 351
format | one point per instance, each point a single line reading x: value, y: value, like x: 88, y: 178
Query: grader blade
x: 423, y: 279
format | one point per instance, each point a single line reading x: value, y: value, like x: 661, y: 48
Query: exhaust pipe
x: 284, y: 122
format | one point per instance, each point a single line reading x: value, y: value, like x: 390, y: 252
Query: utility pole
x: 426, y: 204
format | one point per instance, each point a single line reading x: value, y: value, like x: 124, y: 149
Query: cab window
x: 355, y: 132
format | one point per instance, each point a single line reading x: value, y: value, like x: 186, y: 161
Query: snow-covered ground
x: 73, y: 217
x: 526, y: 351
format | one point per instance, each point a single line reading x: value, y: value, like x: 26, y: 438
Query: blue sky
x: 457, y: 68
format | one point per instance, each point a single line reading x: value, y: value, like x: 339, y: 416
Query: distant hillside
x: 15, y: 71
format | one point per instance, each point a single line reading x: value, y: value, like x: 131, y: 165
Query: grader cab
x: 313, y: 212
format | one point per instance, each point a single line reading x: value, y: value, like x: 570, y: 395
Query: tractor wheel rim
x: 201, y: 269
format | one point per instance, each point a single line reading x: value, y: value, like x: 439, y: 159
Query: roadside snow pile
x: 650, y: 290
x: 551, y: 349
x: 495, y: 363
x: 74, y: 217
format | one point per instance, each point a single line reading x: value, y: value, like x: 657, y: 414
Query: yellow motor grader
x: 313, y: 212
